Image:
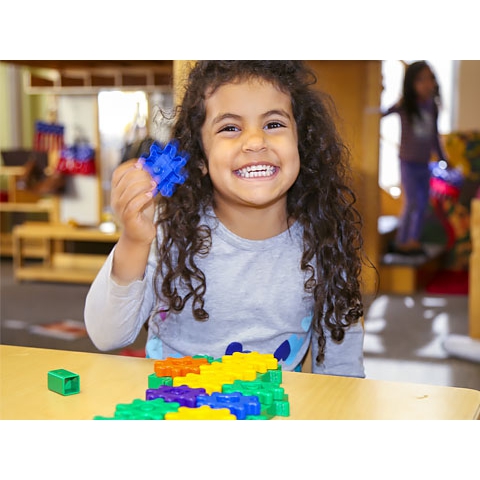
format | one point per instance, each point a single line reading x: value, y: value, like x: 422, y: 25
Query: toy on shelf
x: 165, y: 165
x: 241, y: 386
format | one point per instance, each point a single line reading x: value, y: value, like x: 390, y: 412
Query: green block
x: 145, y: 409
x: 63, y: 382
x: 271, y: 376
x: 207, y: 357
x: 266, y: 392
x: 279, y: 408
x: 156, y: 382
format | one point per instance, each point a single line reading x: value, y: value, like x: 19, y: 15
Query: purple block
x: 184, y: 395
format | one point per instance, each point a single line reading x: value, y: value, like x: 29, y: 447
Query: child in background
x: 259, y: 250
x: 418, y: 110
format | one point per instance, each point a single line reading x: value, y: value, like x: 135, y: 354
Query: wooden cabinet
x: 58, y: 265
x: 25, y: 204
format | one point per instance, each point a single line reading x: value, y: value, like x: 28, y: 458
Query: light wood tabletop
x: 107, y: 380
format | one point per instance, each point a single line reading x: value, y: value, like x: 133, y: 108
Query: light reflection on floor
x: 404, y: 338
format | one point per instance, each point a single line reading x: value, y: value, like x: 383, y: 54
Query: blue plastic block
x: 63, y: 382
x: 165, y: 165
x: 240, y: 405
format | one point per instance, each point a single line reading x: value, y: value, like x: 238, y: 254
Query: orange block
x: 178, y: 367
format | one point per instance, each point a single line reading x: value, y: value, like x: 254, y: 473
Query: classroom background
x: 67, y: 124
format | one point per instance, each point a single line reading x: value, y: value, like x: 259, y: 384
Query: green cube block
x: 155, y: 382
x: 63, y: 382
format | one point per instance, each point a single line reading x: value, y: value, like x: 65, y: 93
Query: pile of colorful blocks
x: 241, y: 386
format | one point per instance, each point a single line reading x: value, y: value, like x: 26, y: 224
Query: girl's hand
x: 132, y: 202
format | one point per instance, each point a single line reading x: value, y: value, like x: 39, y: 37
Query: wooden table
x: 107, y: 380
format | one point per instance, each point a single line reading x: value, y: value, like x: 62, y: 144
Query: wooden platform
x: 404, y: 274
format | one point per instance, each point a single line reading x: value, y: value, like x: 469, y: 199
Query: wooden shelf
x: 23, y: 201
x: 57, y: 265
x: 70, y: 268
x: 46, y: 205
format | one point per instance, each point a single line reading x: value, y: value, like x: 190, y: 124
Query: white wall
x: 80, y: 202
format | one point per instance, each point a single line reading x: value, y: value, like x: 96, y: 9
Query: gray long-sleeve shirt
x: 255, y: 299
x: 419, y: 138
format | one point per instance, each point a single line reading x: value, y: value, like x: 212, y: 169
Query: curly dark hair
x: 320, y: 199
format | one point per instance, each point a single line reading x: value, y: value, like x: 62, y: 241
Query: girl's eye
x: 274, y: 125
x: 228, y: 128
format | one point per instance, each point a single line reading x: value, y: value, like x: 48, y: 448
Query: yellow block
x: 200, y: 413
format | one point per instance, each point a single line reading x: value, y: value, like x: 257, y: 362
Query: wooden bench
x: 402, y: 274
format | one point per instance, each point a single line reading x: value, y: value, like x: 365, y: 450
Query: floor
x: 403, y: 340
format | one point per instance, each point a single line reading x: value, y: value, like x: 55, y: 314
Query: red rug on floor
x: 449, y: 282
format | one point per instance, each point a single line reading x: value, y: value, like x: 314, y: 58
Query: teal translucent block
x: 63, y: 382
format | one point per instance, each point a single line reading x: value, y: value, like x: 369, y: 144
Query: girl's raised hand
x: 132, y: 202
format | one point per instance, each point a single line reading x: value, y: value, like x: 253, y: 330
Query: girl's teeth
x: 257, y: 171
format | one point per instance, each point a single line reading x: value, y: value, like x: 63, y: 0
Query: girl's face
x: 425, y: 84
x: 251, y: 145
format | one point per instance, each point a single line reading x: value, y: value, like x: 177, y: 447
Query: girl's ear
x: 204, y: 168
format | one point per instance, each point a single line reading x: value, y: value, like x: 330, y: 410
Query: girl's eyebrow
x: 234, y: 116
x: 224, y: 116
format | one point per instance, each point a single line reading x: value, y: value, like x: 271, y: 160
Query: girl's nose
x: 254, y: 140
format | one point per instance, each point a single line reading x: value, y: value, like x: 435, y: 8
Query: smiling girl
x: 260, y: 249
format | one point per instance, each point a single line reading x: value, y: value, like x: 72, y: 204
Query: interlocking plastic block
x: 266, y: 392
x: 184, y: 395
x: 165, y: 165
x: 238, y: 386
x: 271, y: 376
x: 154, y: 381
x: 279, y: 408
x: 263, y: 416
x: 142, y: 410
x: 261, y: 362
x: 63, y: 382
x: 178, y: 367
x: 230, y: 371
x: 210, y: 383
x: 238, y: 404
x: 201, y: 413
x: 208, y: 358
